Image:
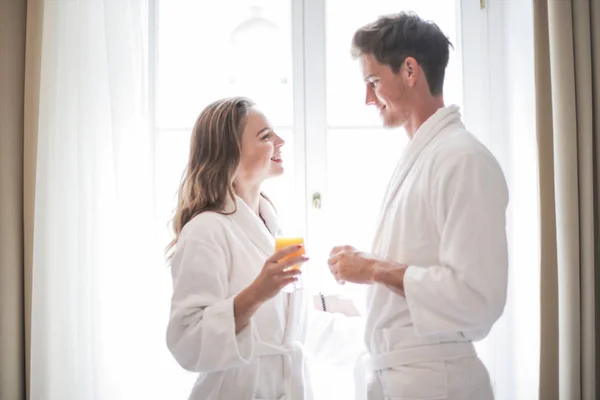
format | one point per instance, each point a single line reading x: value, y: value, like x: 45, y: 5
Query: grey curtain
x: 20, y: 61
x: 567, y: 62
x: 12, y: 311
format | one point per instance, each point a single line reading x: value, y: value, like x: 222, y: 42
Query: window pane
x: 360, y: 162
x: 345, y: 87
x: 213, y: 49
x: 361, y: 155
x: 358, y: 170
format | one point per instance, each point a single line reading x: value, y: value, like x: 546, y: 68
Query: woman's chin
x: 276, y: 170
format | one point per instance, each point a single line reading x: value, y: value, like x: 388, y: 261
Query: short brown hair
x: 392, y: 38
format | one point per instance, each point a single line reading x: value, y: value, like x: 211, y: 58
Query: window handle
x: 316, y: 200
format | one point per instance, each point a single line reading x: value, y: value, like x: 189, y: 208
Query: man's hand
x: 348, y: 264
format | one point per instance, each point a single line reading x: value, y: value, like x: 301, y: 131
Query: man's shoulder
x: 460, y: 150
x: 458, y: 143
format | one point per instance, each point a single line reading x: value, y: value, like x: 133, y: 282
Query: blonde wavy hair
x: 214, y: 157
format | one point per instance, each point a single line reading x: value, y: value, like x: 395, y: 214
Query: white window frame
x: 310, y: 127
x: 480, y: 29
x: 310, y: 96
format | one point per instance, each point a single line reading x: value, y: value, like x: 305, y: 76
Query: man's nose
x: 370, y: 97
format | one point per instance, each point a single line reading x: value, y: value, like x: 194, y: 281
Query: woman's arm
x: 202, y: 333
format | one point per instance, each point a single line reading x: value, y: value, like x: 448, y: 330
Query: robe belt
x: 419, y: 354
x: 293, y: 355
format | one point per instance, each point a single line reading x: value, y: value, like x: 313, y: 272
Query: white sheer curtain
x: 100, y: 289
x: 511, y: 351
x: 99, y: 284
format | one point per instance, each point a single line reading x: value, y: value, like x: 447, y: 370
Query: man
x: 439, y: 264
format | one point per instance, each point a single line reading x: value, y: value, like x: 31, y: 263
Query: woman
x: 230, y: 321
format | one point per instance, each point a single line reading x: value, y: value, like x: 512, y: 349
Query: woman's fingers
x: 290, y: 272
x: 292, y: 262
x: 286, y: 251
x: 286, y: 281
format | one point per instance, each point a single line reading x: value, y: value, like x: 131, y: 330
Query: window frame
x: 480, y: 29
x: 309, y: 80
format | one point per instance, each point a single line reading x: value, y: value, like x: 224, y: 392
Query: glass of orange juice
x: 285, y: 241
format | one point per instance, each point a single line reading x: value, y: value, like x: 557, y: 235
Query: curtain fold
x: 594, y: 373
x: 12, y: 311
x: 33, y: 64
x: 567, y: 74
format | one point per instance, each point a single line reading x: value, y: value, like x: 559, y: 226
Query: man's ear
x: 411, y: 67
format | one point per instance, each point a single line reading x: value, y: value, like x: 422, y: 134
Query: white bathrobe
x: 217, y: 256
x: 444, y: 217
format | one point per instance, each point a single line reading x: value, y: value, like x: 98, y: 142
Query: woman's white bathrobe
x: 444, y: 217
x: 216, y: 257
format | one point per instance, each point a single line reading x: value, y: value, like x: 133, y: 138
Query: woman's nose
x: 279, y: 141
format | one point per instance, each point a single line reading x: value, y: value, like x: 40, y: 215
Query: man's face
x: 387, y: 91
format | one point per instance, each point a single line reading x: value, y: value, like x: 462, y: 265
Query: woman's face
x: 261, y: 150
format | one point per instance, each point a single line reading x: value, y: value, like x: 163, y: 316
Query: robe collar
x: 426, y: 133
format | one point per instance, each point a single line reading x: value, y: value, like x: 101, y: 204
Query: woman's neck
x: 250, y: 194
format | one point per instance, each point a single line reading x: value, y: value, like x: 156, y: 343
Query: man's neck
x: 421, y: 113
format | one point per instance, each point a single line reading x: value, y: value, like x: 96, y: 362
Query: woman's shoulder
x: 207, y: 226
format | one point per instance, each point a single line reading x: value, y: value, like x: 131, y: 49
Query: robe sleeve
x: 467, y: 292
x: 201, y: 329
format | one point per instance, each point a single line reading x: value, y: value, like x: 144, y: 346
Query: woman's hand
x: 275, y: 274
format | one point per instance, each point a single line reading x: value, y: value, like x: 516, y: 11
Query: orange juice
x: 281, y: 242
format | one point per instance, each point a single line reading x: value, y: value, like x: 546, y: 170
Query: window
x: 358, y: 154
x: 292, y: 57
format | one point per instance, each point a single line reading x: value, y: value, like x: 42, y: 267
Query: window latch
x: 316, y: 200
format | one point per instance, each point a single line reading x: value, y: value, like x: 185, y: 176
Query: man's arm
x: 390, y: 274
x: 467, y: 290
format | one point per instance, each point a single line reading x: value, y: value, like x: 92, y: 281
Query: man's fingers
x: 333, y: 263
x: 336, y: 249
x: 339, y: 249
x: 332, y: 260
x: 338, y: 278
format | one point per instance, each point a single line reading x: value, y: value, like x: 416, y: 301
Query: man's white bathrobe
x: 217, y: 256
x: 444, y: 217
